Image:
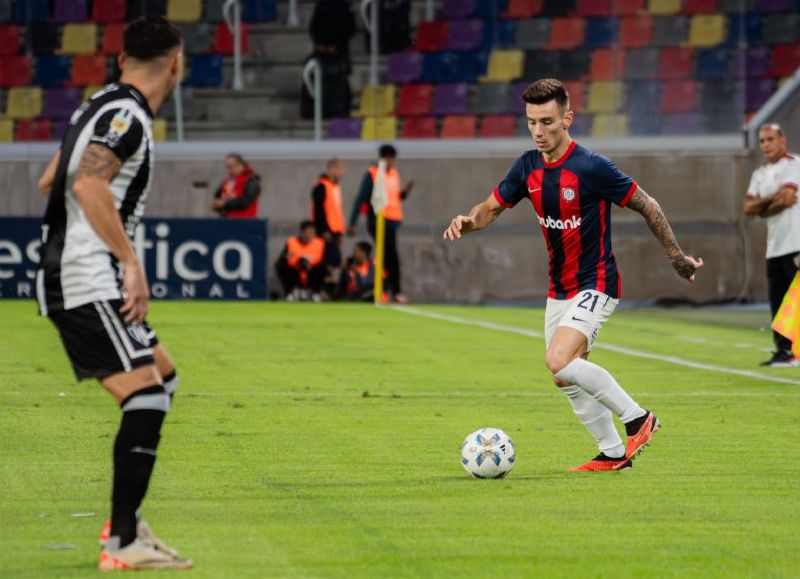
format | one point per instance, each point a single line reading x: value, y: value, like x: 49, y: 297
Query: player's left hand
x: 460, y: 225
x: 686, y: 265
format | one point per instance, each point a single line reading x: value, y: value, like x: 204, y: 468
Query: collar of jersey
x: 562, y: 158
x: 139, y: 97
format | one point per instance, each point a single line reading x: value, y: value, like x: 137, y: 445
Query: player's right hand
x: 460, y: 225
x: 136, y: 293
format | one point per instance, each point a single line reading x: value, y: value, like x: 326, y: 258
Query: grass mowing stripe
x: 604, y: 346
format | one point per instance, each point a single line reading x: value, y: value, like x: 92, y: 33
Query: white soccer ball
x: 488, y: 453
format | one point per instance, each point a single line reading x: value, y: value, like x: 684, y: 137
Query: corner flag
x: 378, y: 202
x: 787, y: 320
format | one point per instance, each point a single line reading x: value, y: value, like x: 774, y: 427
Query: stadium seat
x: 581, y: 125
x: 757, y: 92
x: 504, y: 66
x: 419, y: 128
x: 197, y: 38
x: 106, y: 11
x: 69, y: 10
x: 641, y: 63
x: 663, y: 7
x: 785, y: 60
x: 523, y: 9
x: 377, y: 101
x: 59, y: 129
x: 577, y: 93
x: 679, y: 96
x: 517, y: 105
x: 15, y: 70
x: 594, y: 8
x: 751, y: 62
x: 32, y: 11
x: 533, y: 34
x: 437, y: 67
x: 493, y: 99
x: 780, y: 28
x: 459, y: 127
x: 42, y: 38
x: 112, y: 39
x: 573, y: 64
x: 499, y: 34
x: 700, y: 6
x: 6, y: 130
x: 605, y: 97
x: 344, y: 128
x: 713, y: 63
x: 24, y: 103
x: 159, y: 129
x: 681, y: 124
x: 707, y: 30
x: 670, y: 31
x: 60, y: 103
x: 775, y: 6
x: 635, y: 31
x: 184, y: 10
x: 205, y: 71
x: 403, y: 67
x: 213, y: 13
x: 469, y: 66
x: 494, y: 126
x: 629, y: 7
x: 490, y: 9
x: 606, y: 126
x: 566, y: 33
x: 33, y: 130
x: 645, y: 123
x: 89, y: 70
x: 139, y: 8
x: 675, y: 63
x: 723, y: 96
x: 559, y: 9
x: 223, y: 39
x: 465, y: 34
x: 736, y: 6
x: 457, y: 9
x: 9, y: 39
x: 451, y: 99
x: 260, y: 11
x: 642, y: 97
x: 379, y: 129
x: 541, y: 64
x: 607, y: 64
x: 600, y: 32
x: 743, y: 29
x: 52, y: 71
x: 79, y: 39
x: 5, y: 10
x: 415, y: 100
x: 431, y: 36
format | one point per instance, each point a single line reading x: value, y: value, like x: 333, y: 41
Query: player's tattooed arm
x: 684, y: 265
x: 98, y: 162
x: 479, y: 217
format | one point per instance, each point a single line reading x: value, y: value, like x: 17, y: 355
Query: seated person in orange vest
x: 300, y: 266
x: 393, y: 213
x: 326, y: 211
x: 237, y: 197
x: 358, y: 277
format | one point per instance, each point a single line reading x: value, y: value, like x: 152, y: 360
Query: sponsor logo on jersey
x: 568, y: 193
x: 139, y: 334
x: 550, y: 223
x: 119, y: 126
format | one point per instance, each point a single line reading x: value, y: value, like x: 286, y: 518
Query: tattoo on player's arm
x: 98, y: 161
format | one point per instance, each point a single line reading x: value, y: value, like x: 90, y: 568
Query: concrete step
x: 216, y: 130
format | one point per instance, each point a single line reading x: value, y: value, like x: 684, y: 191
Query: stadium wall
x: 700, y: 191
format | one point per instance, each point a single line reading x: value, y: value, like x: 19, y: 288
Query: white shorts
x: 586, y: 312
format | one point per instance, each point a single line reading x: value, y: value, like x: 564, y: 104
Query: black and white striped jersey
x: 76, y: 266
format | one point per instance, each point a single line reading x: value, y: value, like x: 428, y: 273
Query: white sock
x: 600, y: 384
x: 597, y: 420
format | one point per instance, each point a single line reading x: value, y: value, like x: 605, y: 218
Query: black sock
x: 134, y: 457
x: 634, y: 425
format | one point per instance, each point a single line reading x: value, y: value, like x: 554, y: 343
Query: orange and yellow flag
x: 787, y: 320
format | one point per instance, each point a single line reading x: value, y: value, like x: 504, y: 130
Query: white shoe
x: 137, y: 555
x: 316, y: 298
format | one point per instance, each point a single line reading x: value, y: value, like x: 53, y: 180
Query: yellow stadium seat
x: 184, y: 10
x: 605, y: 97
x: 707, y: 30
x: 379, y: 128
x: 664, y: 7
x: 609, y: 125
x: 79, y: 39
x: 24, y: 102
x: 6, y: 130
x: 504, y: 66
x: 90, y: 90
x: 159, y: 129
x: 377, y: 101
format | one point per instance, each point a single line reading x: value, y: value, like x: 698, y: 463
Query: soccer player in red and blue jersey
x: 571, y: 189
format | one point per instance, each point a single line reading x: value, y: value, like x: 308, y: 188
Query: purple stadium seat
x: 344, y: 128
x: 455, y: 9
x: 681, y: 124
x: 60, y: 128
x: 451, y: 99
x: 775, y: 6
x: 758, y: 92
x: 60, y: 103
x: 517, y: 104
x: 751, y: 62
x: 404, y: 67
x: 581, y: 125
x: 69, y: 11
x: 465, y: 34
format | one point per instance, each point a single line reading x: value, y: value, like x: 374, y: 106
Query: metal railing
x: 772, y: 106
x: 292, y: 18
x: 313, y: 68
x: 234, y: 23
x: 371, y: 23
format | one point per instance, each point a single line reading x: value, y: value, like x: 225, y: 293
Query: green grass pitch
x: 323, y: 441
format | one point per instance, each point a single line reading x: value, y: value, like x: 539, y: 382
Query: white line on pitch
x: 308, y: 394
x: 604, y: 346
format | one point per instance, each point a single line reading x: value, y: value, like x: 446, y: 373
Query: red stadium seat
x: 108, y: 11
x: 415, y: 100
x: 498, y: 126
x: 679, y: 96
x: 523, y: 9
x: 566, y: 33
x: 785, y: 59
x: 675, y: 63
x: 432, y: 36
x: 629, y: 7
x: 607, y: 64
x: 223, y: 40
x: 700, y: 6
x: 88, y: 69
x: 9, y: 39
x: 577, y: 94
x: 112, y: 39
x: 15, y: 70
x: 419, y: 128
x: 594, y: 8
x: 459, y: 127
x: 34, y: 130
x: 635, y: 31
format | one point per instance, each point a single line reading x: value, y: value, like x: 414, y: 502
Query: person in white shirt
x: 772, y: 194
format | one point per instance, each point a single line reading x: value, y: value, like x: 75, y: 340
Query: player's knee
x: 561, y: 383
x: 556, y: 361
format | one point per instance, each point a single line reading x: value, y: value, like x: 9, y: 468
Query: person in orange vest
x: 237, y: 196
x: 326, y: 211
x: 358, y: 277
x: 300, y: 266
x: 393, y: 212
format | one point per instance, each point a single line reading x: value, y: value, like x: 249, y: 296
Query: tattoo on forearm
x: 98, y: 161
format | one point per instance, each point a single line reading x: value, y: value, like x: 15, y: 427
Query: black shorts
x: 99, y: 343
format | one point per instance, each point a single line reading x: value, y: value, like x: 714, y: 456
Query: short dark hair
x: 305, y: 224
x: 365, y: 246
x: 545, y: 90
x: 151, y: 37
x: 387, y: 151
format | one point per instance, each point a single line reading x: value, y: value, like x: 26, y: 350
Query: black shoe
x: 781, y: 359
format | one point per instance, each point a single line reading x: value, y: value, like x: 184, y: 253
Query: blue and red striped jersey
x: 572, y: 199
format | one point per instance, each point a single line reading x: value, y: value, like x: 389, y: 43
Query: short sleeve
x: 512, y: 189
x: 791, y: 178
x: 120, y: 131
x: 753, y: 188
x: 611, y: 183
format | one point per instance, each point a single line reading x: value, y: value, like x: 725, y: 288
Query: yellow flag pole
x: 787, y: 320
x: 380, y: 237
